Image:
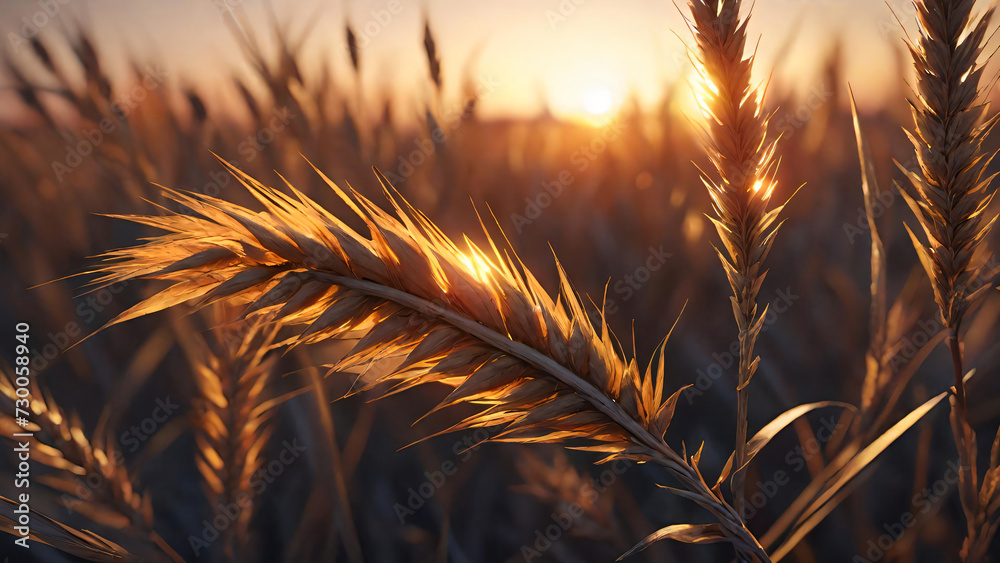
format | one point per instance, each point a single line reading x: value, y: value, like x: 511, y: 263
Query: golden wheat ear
x: 476, y: 320
x: 234, y: 412
x: 738, y: 144
x: 950, y: 195
x: 59, y: 442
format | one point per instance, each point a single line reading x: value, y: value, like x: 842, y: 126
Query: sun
x: 590, y: 95
x: 598, y: 100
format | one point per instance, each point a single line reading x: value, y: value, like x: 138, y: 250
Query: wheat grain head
x: 233, y: 416
x: 60, y: 442
x: 475, y: 320
x: 950, y: 194
x: 737, y: 144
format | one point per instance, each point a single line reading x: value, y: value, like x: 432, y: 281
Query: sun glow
x: 590, y: 94
x: 598, y: 100
x: 477, y: 265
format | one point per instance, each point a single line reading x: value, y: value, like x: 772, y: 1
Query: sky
x: 571, y: 56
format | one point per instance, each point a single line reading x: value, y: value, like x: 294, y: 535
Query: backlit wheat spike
x: 950, y: 197
x: 737, y: 143
x: 233, y: 419
x: 61, y: 444
x: 473, y: 319
x: 950, y: 193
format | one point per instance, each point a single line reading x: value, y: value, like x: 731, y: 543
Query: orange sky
x: 574, y: 54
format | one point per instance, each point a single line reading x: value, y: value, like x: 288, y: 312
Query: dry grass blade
x: 475, y: 320
x: 869, y: 187
x: 737, y: 142
x: 771, y: 429
x: 833, y: 494
x: 687, y: 533
x: 889, y: 327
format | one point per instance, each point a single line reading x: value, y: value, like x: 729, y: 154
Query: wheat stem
x: 737, y: 142
x: 951, y: 197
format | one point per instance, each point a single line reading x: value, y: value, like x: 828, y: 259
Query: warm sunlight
x: 597, y: 100
x: 476, y: 264
x: 591, y: 93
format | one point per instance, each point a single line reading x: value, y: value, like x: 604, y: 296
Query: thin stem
x: 742, y: 414
x: 956, y: 359
x: 965, y: 442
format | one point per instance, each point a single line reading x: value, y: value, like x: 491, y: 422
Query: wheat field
x: 288, y: 311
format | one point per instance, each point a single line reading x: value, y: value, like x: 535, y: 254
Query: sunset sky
x: 579, y: 56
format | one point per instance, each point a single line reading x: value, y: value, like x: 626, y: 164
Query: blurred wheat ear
x: 950, y: 196
x: 60, y: 443
x: 475, y: 320
x: 81, y: 543
x: 737, y: 142
x: 233, y: 418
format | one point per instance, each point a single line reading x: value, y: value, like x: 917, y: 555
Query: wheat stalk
x: 477, y: 321
x: 433, y: 60
x: 60, y: 443
x: 950, y: 197
x: 233, y: 420
x: 737, y: 143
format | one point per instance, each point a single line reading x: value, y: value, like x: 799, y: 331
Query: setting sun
x: 598, y: 100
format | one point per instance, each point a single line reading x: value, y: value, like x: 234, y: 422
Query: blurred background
x: 572, y: 122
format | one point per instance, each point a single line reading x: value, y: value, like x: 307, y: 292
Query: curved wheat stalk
x: 950, y: 197
x: 472, y: 319
x: 737, y: 142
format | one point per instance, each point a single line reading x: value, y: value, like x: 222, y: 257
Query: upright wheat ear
x: 738, y: 145
x: 475, y: 320
x: 950, y: 198
x: 233, y: 416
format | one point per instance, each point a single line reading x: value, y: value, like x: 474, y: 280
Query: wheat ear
x: 44, y: 529
x: 233, y: 417
x: 472, y: 319
x: 950, y: 195
x: 60, y: 443
x: 738, y: 145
